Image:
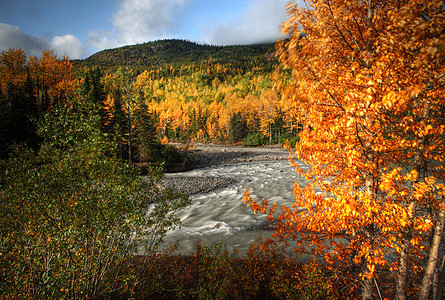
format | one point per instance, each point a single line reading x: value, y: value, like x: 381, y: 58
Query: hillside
x: 179, y: 53
x: 194, y: 92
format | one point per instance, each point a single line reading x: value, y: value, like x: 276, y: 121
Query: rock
x: 264, y: 226
x: 207, y: 155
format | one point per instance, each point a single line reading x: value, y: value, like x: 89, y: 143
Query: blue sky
x: 79, y: 28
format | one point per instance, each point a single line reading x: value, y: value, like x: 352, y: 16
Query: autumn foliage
x: 361, y: 82
x: 367, y: 88
x: 188, y: 108
x: 50, y: 77
x: 211, y: 272
x: 28, y: 88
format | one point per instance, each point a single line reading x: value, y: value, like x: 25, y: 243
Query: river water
x: 221, y: 216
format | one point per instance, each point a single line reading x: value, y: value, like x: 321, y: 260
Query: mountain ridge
x: 179, y: 52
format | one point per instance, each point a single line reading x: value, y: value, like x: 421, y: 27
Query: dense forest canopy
x: 198, y: 92
x: 184, y: 90
x: 178, y: 53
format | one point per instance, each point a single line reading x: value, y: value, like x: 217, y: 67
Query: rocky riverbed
x: 208, y: 155
x: 194, y: 185
x: 205, y: 155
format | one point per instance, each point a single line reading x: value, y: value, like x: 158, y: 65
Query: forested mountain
x: 196, y: 92
x: 164, y: 90
x: 178, y: 53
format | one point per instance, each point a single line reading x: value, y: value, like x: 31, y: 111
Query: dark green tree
x: 118, y: 123
x: 146, y: 140
x: 238, y: 128
x: 18, y: 113
x: 93, y: 90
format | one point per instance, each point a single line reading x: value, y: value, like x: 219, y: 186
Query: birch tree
x: 367, y: 86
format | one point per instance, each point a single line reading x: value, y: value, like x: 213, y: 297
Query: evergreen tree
x: 118, y: 125
x: 146, y: 142
x: 238, y: 128
x: 93, y: 89
x: 18, y: 113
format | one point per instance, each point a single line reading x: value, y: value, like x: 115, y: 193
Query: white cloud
x: 136, y: 21
x: 11, y: 37
x: 139, y: 21
x: 260, y: 22
x: 101, y: 39
x: 68, y: 45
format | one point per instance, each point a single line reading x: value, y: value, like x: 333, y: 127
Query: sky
x: 79, y: 28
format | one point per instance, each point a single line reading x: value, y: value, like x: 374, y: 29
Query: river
x: 221, y: 216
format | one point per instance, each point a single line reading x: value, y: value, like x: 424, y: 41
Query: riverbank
x: 209, y: 155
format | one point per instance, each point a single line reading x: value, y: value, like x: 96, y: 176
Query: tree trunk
x: 39, y: 104
x: 270, y: 133
x: 366, y: 287
x: 431, y: 267
x: 438, y: 286
x: 370, y: 190
x: 404, y: 257
x: 130, y: 154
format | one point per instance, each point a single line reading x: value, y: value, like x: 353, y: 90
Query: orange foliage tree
x: 190, y: 105
x: 13, y: 68
x: 367, y: 86
x: 29, y: 87
x: 53, y: 78
x: 269, y: 111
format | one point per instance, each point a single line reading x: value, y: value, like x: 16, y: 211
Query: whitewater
x: 220, y: 215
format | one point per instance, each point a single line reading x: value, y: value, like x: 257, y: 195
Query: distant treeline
x: 165, y: 90
x: 177, y: 53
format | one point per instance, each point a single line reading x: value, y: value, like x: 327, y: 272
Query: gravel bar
x: 194, y: 185
x: 208, y: 155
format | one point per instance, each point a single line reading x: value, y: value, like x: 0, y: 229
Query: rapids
x: 220, y: 215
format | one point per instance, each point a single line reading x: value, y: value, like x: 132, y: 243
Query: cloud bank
x: 101, y: 39
x: 259, y: 23
x: 139, y: 21
x: 11, y: 37
x: 68, y: 45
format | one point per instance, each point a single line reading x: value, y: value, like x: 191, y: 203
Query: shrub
x: 213, y: 273
x: 73, y: 217
x: 170, y: 155
x: 255, y: 139
x: 288, y: 137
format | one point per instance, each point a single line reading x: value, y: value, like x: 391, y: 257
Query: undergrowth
x: 213, y: 273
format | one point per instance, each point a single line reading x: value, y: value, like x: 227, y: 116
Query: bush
x: 255, y: 139
x: 212, y: 273
x: 73, y: 217
x: 170, y: 155
x: 290, y: 137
